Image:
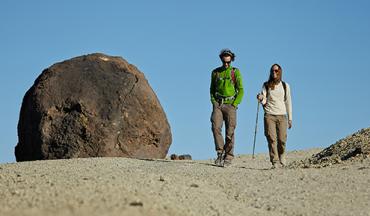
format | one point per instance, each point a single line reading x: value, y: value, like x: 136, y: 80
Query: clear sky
x: 323, y: 47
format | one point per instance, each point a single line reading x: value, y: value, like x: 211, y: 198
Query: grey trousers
x: 276, y: 135
x: 221, y: 113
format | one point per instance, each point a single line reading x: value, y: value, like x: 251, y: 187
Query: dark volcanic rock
x: 92, y: 106
x: 352, y: 148
x: 181, y: 157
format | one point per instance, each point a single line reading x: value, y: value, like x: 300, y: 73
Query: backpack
x: 232, y: 74
x: 267, y: 90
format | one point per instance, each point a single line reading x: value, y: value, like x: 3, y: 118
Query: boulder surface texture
x: 92, y: 106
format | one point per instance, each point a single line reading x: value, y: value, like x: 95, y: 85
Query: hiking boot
x: 282, y: 160
x: 273, y: 166
x: 227, y: 163
x: 219, y: 160
x: 283, y: 165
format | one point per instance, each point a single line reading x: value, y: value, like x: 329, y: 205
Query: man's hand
x: 290, y: 124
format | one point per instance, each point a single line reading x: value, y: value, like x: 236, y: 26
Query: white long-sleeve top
x: 275, y: 104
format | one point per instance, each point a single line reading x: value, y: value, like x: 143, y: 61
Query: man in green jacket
x: 226, y: 94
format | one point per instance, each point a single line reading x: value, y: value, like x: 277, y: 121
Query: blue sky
x: 323, y: 47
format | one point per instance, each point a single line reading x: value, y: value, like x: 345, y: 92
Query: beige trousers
x: 276, y: 134
x: 224, y: 113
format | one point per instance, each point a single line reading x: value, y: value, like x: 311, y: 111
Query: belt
x: 221, y: 99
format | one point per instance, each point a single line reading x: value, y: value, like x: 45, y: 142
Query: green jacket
x: 222, y: 85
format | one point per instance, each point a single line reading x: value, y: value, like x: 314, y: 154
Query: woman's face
x: 275, y: 72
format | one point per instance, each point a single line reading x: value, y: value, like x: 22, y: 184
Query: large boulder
x: 92, y: 106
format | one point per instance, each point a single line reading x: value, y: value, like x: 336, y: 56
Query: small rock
x: 236, y: 197
x: 185, y: 157
x: 306, y: 166
x: 137, y: 203
x: 161, y: 178
x: 194, y: 185
x: 181, y: 157
x: 15, y: 192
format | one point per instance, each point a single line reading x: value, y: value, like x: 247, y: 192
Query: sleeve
x: 212, y: 88
x: 288, y: 103
x: 239, y: 88
x: 264, y: 94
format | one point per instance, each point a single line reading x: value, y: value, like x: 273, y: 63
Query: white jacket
x: 275, y: 104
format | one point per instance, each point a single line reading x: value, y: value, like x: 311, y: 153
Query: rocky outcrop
x: 352, y: 148
x: 92, y: 106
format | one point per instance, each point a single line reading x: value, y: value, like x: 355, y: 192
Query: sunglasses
x: 275, y: 70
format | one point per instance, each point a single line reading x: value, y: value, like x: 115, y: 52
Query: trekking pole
x: 255, y: 129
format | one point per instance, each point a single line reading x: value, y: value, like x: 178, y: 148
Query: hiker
x: 277, y: 104
x: 226, y: 94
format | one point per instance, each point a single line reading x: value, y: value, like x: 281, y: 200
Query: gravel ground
x: 121, y: 186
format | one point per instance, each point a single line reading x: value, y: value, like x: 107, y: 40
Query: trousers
x: 276, y: 135
x: 220, y: 114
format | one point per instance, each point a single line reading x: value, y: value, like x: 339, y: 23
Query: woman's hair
x: 272, y: 82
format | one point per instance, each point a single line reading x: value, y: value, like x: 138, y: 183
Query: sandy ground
x: 121, y: 186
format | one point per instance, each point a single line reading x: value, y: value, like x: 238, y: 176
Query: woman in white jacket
x: 277, y: 104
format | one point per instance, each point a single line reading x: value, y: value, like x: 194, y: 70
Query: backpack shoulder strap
x: 233, y: 76
x: 267, y: 89
x: 284, y: 86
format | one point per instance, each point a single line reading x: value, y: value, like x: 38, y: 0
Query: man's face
x: 226, y: 58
